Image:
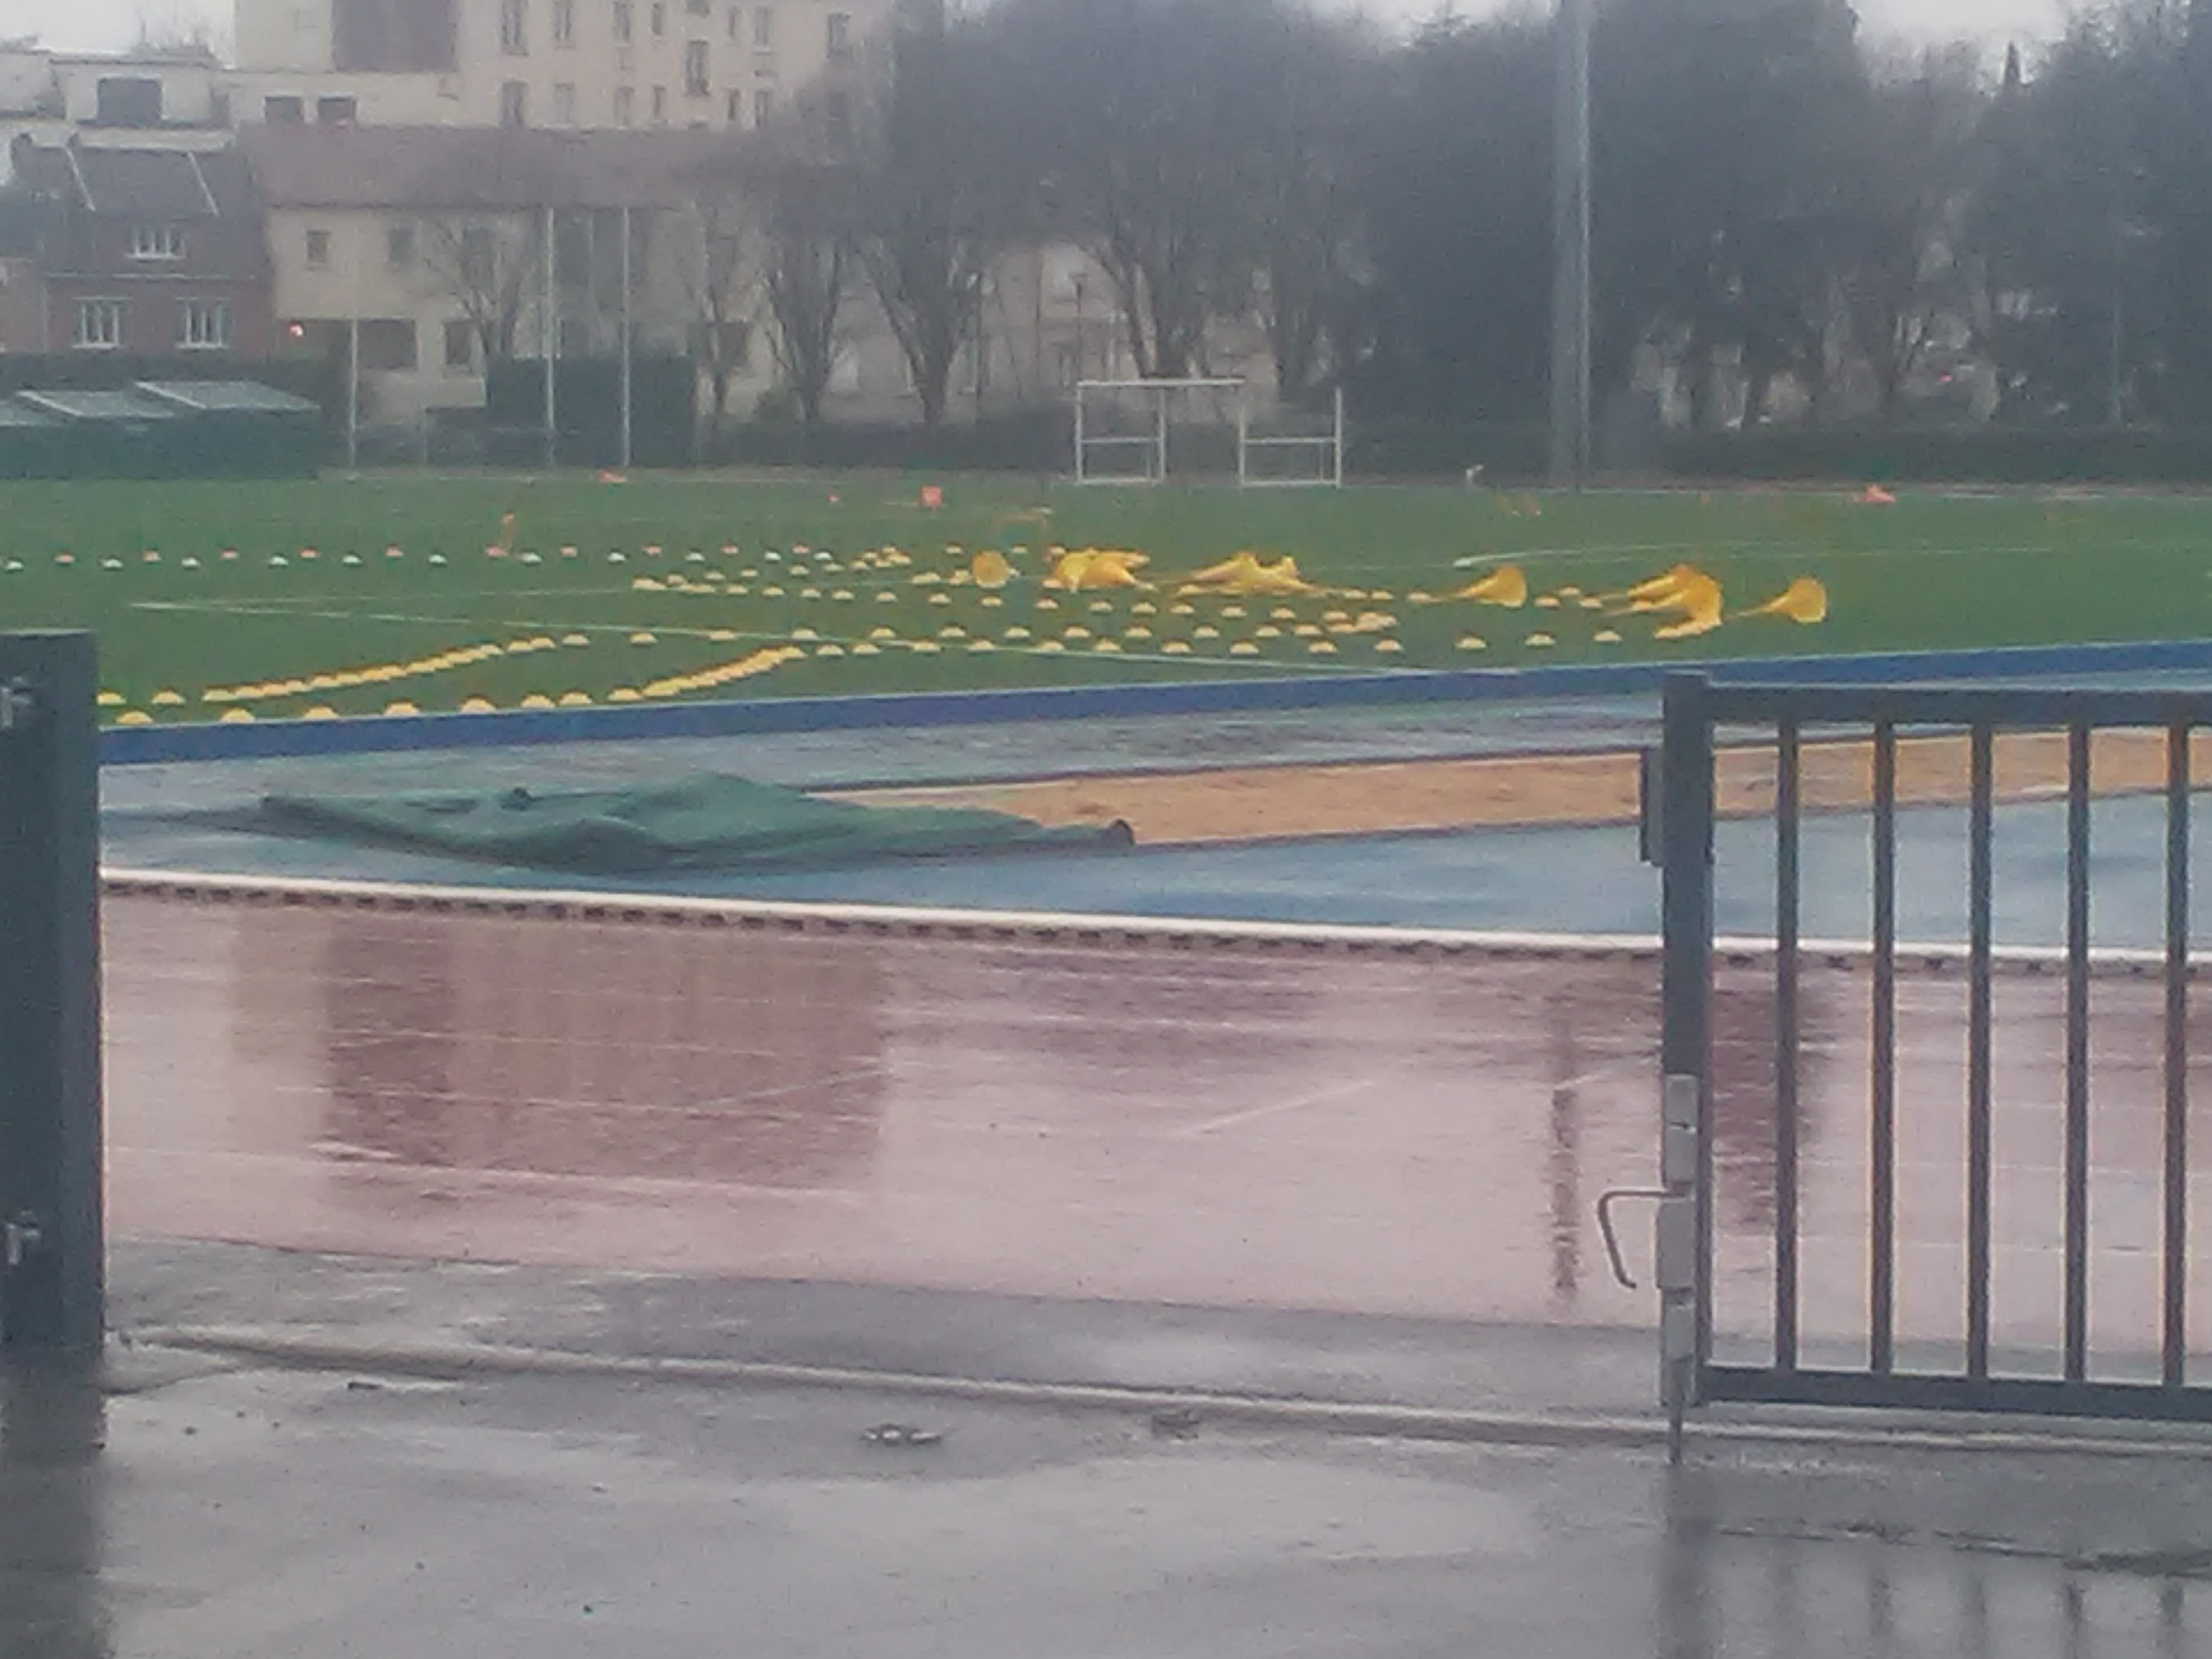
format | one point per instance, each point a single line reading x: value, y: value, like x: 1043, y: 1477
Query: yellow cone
x: 1096, y: 568
x: 990, y: 568
x: 1805, y: 600
x: 1245, y: 575
x: 1658, y: 589
x: 1698, y: 601
x: 1507, y: 586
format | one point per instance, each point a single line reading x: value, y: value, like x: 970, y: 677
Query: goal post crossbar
x: 1155, y: 400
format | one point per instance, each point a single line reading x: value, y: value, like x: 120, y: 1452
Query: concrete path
x: 254, y: 1513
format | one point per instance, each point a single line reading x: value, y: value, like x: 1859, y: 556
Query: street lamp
x: 1570, y: 251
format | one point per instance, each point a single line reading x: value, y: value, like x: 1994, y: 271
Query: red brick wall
x: 152, y: 313
x: 21, y: 305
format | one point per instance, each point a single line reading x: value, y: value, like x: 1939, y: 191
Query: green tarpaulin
x: 705, y: 822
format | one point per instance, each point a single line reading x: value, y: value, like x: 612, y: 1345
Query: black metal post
x: 1687, y: 910
x: 51, y: 1245
x: 1980, y: 826
x: 2077, y: 1359
x: 1882, y: 1290
x: 1787, y: 827
x: 2173, y: 1344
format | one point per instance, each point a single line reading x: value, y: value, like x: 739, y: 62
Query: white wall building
x: 582, y: 63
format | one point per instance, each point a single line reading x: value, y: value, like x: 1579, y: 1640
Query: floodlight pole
x: 625, y: 461
x: 1571, y: 259
x: 353, y: 389
x: 547, y: 337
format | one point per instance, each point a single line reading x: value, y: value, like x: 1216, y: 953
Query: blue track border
x: 381, y: 734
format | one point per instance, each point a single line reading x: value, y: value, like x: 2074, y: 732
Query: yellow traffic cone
x: 1805, y: 600
x: 1507, y: 586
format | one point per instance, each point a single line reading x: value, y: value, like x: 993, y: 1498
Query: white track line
x: 1065, y: 928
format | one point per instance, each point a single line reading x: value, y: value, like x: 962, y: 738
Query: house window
x: 623, y: 19
x: 337, y: 111
x: 763, y: 105
x: 203, y: 325
x: 734, y: 108
x: 318, y: 250
x: 699, y: 8
x: 398, y: 246
x: 478, y: 256
x: 625, y: 107
x: 729, y: 343
x: 695, y: 68
x: 157, y: 242
x: 283, y: 110
x: 841, y: 34
x: 764, y: 27
x: 514, y: 28
x: 735, y: 14
x: 127, y: 102
x: 98, y: 325
x: 387, y: 343
x: 513, y: 103
x: 460, y: 347
x: 564, y: 22
x: 564, y: 103
x: 660, y: 104
x: 837, y: 113
x: 659, y: 18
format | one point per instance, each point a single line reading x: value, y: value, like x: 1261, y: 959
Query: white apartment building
x: 174, y: 100
x: 721, y: 64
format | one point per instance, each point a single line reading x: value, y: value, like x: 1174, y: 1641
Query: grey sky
x: 106, y: 25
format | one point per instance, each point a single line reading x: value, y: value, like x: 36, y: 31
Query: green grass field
x: 351, y: 597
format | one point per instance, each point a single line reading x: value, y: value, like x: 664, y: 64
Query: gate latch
x: 1605, y: 1226
x: 19, y: 704
x: 21, y: 1237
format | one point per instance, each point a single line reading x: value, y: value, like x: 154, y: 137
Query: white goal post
x: 1125, y: 433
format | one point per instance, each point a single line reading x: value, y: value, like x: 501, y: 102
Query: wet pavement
x: 1196, y: 1119
x: 1055, y: 1156
x: 246, y: 1514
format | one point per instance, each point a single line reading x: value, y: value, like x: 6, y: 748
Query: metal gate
x: 1952, y: 739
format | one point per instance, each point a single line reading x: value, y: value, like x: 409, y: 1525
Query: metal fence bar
x: 1881, y: 1289
x: 1796, y: 714
x: 2016, y: 708
x: 2077, y: 1051
x: 1949, y: 1392
x: 1979, y: 828
x: 1787, y: 847
x: 1687, y: 904
x: 2174, y: 1338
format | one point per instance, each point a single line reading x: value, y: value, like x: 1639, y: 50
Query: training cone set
x: 697, y: 616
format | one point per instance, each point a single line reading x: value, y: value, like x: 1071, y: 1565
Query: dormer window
x: 157, y: 242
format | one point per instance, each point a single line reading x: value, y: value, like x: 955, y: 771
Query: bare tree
x: 489, y: 265
x: 722, y: 282
x: 168, y: 28
x: 808, y: 266
x: 1144, y: 119
x: 932, y: 207
x: 1310, y: 209
x: 1901, y: 272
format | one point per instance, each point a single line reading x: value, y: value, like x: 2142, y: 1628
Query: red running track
x: 1210, y: 1123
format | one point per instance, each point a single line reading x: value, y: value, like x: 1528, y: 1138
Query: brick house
x: 145, y: 252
